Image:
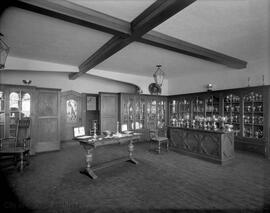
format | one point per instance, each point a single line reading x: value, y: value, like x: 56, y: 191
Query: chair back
x: 156, y: 132
x: 23, y: 130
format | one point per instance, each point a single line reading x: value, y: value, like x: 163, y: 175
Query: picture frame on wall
x: 91, y: 103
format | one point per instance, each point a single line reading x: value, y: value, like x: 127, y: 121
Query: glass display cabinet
x: 184, y: 108
x: 253, y: 115
x: 161, y: 113
x: 198, y: 107
x: 2, y: 114
x: 19, y: 107
x: 212, y: 106
x: 179, y: 108
x: 151, y: 113
x: 140, y: 113
x: 246, y: 110
x: 132, y: 116
x: 173, y: 112
x: 232, y: 107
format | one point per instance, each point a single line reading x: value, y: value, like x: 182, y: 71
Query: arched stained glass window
x: 72, y: 111
x: 26, y: 108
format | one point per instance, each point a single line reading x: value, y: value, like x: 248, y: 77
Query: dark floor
x: 168, y: 182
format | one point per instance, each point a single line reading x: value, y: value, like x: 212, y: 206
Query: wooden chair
x: 17, y: 147
x: 156, y: 138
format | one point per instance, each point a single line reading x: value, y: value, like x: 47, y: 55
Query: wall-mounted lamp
x: 27, y: 82
x: 209, y: 87
x: 4, y: 49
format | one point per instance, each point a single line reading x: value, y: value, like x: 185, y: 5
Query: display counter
x: 214, y: 146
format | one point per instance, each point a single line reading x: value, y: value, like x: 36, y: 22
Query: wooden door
x: 71, y: 113
x: 108, y: 111
x: 48, y: 120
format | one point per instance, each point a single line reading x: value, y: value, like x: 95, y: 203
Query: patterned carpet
x: 169, y: 182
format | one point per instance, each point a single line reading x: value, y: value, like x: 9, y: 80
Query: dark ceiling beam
x: 157, y: 13
x: 121, y: 29
x: 76, y: 14
x: 154, y: 15
x: 170, y: 43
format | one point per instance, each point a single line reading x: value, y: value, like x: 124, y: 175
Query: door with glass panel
x: 19, y: 107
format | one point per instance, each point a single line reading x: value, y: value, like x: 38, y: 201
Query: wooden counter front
x: 214, y: 146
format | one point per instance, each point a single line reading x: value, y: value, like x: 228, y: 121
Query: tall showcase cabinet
x: 41, y: 105
x: 140, y: 113
x: 247, y: 109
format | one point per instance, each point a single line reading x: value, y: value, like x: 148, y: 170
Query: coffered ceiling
x: 237, y: 28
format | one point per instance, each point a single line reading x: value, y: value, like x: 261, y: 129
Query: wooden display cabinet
x: 198, y: 106
x: 42, y: 105
x: 232, y: 109
x: 140, y: 113
x: 247, y: 109
x: 2, y: 114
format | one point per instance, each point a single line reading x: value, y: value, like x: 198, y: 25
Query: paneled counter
x: 214, y: 146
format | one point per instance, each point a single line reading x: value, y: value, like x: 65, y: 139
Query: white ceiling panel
x: 34, y: 36
x: 239, y: 28
x: 141, y: 59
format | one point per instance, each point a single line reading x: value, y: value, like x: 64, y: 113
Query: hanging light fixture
x: 159, y: 76
x: 4, y: 49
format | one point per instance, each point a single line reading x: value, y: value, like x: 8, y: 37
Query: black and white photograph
x: 126, y: 106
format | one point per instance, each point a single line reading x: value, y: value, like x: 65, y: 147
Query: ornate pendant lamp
x: 155, y: 88
x: 159, y: 75
x: 4, y: 49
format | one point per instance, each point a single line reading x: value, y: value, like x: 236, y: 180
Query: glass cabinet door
x: 173, y: 112
x: 14, y: 112
x: 137, y: 112
x: 142, y: 111
x: 2, y: 114
x: 125, y: 116
x: 212, y: 106
x: 198, y: 107
x: 161, y: 113
x: 253, y: 115
x: 232, y: 107
x: 184, y: 108
x: 130, y: 105
x: 19, y: 107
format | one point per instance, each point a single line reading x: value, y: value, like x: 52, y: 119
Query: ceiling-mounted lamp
x: 4, y: 49
x: 159, y: 75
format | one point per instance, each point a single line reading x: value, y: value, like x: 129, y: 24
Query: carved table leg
x: 167, y: 145
x: 130, y: 150
x: 89, y: 158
